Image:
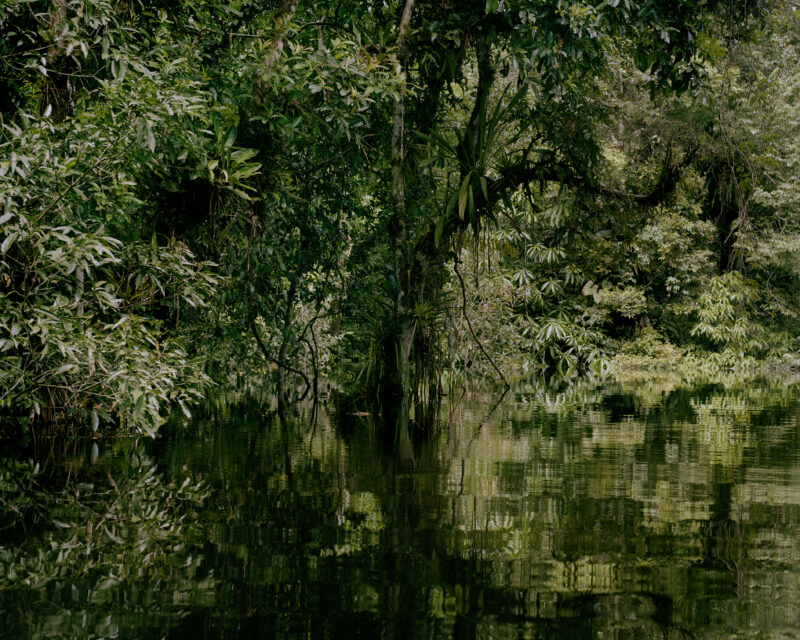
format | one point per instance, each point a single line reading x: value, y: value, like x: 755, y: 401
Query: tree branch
x: 469, y: 324
x: 267, y: 355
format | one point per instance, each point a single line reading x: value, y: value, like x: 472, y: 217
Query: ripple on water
x: 608, y: 510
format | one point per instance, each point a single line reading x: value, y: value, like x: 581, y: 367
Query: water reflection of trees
x: 549, y: 516
x: 98, y: 542
x: 623, y: 509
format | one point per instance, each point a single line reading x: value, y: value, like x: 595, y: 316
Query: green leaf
x: 440, y: 223
x: 462, y: 196
x: 451, y: 204
x: 472, y: 211
x: 7, y: 241
x: 150, y: 137
x: 231, y: 137
x: 63, y: 369
x: 240, y: 156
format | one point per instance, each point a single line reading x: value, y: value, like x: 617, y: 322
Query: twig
x: 469, y: 324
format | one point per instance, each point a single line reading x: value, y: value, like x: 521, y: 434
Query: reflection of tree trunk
x: 720, y: 514
x: 403, y: 519
x: 468, y: 605
x: 725, y: 538
x: 300, y: 526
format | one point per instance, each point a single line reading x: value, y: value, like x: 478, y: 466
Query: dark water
x: 635, y: 509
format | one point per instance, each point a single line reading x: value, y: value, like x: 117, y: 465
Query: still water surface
x: 622, y: 509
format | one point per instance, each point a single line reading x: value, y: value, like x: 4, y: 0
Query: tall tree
x: 506, y: 96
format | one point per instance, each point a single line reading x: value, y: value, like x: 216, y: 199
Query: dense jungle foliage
x: 388, y: 195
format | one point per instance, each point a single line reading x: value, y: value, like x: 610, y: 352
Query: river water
x: 628, y: 508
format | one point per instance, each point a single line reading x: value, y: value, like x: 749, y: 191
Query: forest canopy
x: 387, y: 195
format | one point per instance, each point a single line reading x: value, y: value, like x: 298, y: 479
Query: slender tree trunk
x: 57, y: 88
x: 284, y: 17
x: 486, y: 75
x: 79, y: 275
x: 288, y: 318
x: 58, y: 19
x: 398, y: 227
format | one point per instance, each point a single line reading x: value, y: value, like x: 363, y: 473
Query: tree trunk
x: 288, y: 318
x: 57, y: 88
x: 398, y: 229
x: 58, y: 19
x: 285, y: 16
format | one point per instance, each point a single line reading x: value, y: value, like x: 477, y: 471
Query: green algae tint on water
x: 641, y: 509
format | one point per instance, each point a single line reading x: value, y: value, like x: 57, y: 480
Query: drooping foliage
x: 692, y: 269
x: 250, y: 190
